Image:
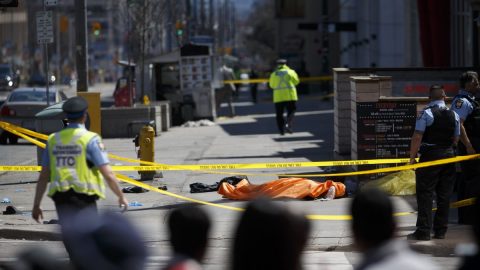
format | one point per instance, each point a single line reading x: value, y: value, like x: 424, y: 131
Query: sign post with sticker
x: 45, y: 36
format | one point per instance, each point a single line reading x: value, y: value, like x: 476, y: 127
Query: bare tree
x: 259, y: 37
x: 143, y: 20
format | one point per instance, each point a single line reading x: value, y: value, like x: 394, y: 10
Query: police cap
x: 281, y: 61
x: 75, y: 107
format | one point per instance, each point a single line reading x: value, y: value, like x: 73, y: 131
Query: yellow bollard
x: 147, y: 150
x: 146, y: 100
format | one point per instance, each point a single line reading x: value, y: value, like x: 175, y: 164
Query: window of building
x: 290, y: 8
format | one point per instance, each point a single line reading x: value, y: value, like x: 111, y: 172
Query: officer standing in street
x: 436, y: 135
x: 74, y: 162
x: 465, y: 105
x: 283, y: 81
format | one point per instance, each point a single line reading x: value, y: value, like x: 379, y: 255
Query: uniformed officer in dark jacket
x: 465, y: 105
x: 436, y: 134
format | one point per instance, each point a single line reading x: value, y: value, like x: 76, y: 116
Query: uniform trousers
x: 291, y: 107
x: 70, y: 203
x: 469, y: 184
x: 439, y: 180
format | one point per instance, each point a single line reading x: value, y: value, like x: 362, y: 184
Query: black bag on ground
x: 201, y: 187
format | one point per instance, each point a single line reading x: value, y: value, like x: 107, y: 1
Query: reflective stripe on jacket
x: 68, y: 163
x: 283, y: 81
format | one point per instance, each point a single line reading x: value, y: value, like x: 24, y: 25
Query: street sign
x: 50, y: 3
x: 341, y: 27
x: 44, y: 27
x: 202, y: 40
x: 8, y: 3
x: 331, y: 27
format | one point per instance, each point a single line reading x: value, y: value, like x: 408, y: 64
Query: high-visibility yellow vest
x: 68, y: 163
x: 283, y: 81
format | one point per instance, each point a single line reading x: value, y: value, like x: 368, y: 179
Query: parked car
x: 21, y: 106
x: 9, y: 79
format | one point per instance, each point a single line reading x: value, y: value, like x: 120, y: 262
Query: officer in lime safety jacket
x: 283, y: 81
x: 75, y: 165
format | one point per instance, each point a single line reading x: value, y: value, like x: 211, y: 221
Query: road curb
x: 32, y: 235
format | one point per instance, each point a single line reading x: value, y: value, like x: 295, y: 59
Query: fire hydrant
x: 146, y: 152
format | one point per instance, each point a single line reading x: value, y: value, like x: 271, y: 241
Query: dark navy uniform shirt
x: 462, y: 106
x: 426, y: 119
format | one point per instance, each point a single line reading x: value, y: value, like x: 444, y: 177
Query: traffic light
x: 8, y: 3
x: 179, y: 28
x: 96, y: 27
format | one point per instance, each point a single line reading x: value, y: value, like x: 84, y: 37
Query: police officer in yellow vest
x: 283, y: 81
x: 75, y: 163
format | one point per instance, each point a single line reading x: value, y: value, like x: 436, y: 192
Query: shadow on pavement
x: 309, y: 125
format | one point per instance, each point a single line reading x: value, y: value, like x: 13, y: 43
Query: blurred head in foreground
x: 269, y: 236
x: 109, y: 241
x: 372, y: 218
x: 189, y: 227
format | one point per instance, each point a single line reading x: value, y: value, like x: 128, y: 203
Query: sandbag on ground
x: 294, y: 188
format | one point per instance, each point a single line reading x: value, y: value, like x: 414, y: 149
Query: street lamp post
x: 81, y: 45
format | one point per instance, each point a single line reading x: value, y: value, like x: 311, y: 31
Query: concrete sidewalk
x: 249, y: 137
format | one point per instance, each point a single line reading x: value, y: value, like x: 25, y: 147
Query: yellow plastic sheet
x: 399, y: 183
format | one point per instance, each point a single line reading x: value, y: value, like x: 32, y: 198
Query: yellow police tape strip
x: 462, y: 203
x: 24, y: 130
x: 263, y: 80
x: 126, y: 179
x: 146, y: 186
x: 13, y: 130
x: 206, y: 167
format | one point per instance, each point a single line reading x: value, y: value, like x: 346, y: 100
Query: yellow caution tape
x: 14, y: 131
x: 25, y: 131
x: 126, y: 179
x: 20, y: 168
x: 264, y: 80
x: 462, y: 203
x: 246, y: 166
x: 207, y: 167
x: 146, y: 186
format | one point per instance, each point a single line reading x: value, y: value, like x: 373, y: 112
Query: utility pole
x: 142, y: 68
x: 81, y: 53
x: 57, y: 47
x: 47, y: 77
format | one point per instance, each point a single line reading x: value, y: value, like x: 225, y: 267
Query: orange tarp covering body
x: 295, y: 188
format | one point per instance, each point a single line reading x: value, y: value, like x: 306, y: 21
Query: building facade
x: 302, y: 35
x: 387, y: 34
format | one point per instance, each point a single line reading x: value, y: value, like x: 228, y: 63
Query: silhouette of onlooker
x: 189, y: 227
x: 473, y: 262
x: 106, y: 242
x: 373, y: 227
x: 269, y: 236
x: 303, y: 88
x: 227, y: 92
x: 253, y: 86
x: 37, y: 259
